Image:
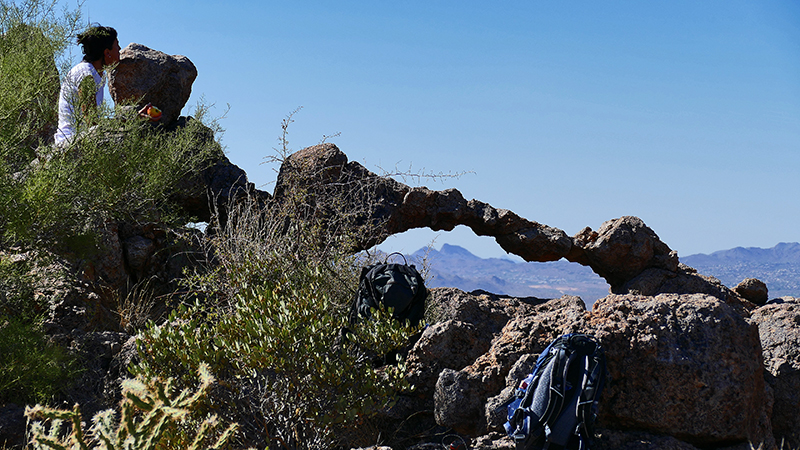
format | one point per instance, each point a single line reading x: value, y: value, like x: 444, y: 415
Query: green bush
x: 31, y: 369
x: 270, y: 321
x: 33, y: 38
x: 16, y: 290
x: 120, y: 170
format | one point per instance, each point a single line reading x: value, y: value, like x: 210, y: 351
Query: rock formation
x: 688, y: 366
x: 146, y: 76
x: 753, y: 290
x: 624, y: 251
x: 779, y: 327
x: 693, y: 364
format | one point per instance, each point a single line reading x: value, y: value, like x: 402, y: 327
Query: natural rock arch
x: 624, y: 251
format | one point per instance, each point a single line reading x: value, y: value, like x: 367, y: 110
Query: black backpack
x: 556, y: 405
x: 398, y: 286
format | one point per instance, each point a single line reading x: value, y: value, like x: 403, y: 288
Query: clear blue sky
x: 569, y: 113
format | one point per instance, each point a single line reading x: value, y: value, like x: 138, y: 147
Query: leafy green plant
x: 271, y: 319
x: 153, y: 416
x: 33, y: 38
x: 284, y: 336
x: 16, y: 289
x: 31, y: 368
x: 120, y: 170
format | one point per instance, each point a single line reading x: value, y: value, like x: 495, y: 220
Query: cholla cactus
x: 149, y: 412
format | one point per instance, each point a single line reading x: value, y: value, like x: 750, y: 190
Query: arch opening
x: 461, y: 259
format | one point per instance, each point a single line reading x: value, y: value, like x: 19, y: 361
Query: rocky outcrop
x: 460, y: 397
x: 779, y: 326
x: 684, y: 351
x: 619, y: 251
x: 144, y: 75
x: 685, y: 369
x: 688, y: 366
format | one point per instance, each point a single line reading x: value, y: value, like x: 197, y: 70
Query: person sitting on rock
x: 82, y: 88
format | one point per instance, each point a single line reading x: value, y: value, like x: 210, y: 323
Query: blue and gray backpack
x: 556, y: 405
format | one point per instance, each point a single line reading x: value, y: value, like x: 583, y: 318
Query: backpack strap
x: 593, y: 385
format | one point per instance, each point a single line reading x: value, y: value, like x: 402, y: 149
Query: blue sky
x: 571, y: 113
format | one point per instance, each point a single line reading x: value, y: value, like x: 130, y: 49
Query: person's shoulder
x: 83, y: 68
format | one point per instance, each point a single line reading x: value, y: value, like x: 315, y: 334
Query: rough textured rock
x: 460, y: 397
x: 685, y: 280
x: 98, y: 385
x: 494, y: 441
x: 445, y: 345
x: 779, y: 326
x: 622, y: 249
x: 144, y: 75
x: 637, y: 440
x: 464, y: 329
x: 688, y: 366
x: 496, y: 411
x: 754, y: 290
x: 208, y: 195
x: 619, y: 251
x: 12, y: 425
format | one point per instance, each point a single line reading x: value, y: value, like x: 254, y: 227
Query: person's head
x: 99, y: 44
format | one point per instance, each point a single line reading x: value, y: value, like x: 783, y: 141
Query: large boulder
x: 466, y: 324
x: 144, y: 75
x: 461, y: 396
x: 688, y: 366
x: 686, y: 280
x: 779, y: 326
x: 753, y: 290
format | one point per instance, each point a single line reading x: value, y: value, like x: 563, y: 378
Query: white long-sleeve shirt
x: 68, y: 99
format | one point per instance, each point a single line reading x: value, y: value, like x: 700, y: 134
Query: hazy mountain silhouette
x: 454, y: 266
x: 778, y: 266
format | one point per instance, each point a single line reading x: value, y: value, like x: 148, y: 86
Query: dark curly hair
x: 95, y: 40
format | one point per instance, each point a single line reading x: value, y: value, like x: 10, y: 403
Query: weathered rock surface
x: 779, y: 326
x: 619, y: 251
x: 460, y: 395
x: 688, y: 366
x: 684, y: 351
x: 685, y: 369
x: 144, y: 75
x: 754, y: 290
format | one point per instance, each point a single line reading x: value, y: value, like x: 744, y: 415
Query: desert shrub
x: 153, y: 416
x: 17, y: 290
x: 31, y: 368
x: 33, y: 38
x: 271, y: 319
x: 119, y: 170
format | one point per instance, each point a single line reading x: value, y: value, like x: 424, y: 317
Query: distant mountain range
x: 454, y: 266
x: 778, y: 266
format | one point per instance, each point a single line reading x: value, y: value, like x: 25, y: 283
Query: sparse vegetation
x: 153, y: 416
x: 268, y: 314
x: 31, y: 369
x: 271, y: 318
